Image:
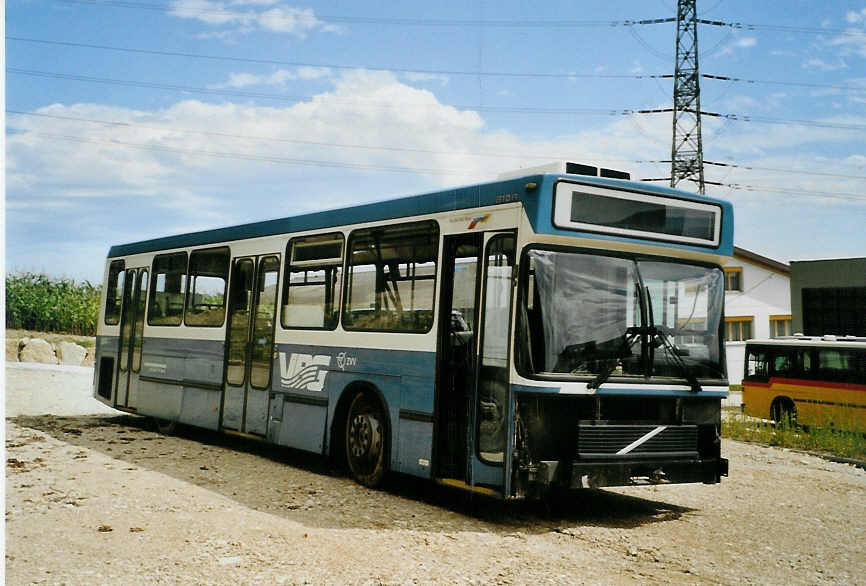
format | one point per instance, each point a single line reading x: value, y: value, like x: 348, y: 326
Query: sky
x: 128, y: 120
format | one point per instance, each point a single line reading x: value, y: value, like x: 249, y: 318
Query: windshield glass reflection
x: 591, y: 315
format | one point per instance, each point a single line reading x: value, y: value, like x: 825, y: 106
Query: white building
x: 757, y: 304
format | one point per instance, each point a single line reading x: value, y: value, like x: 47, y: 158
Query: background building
x: 829, y: 296
x: 757, y: 304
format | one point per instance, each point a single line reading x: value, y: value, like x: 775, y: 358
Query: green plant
x: 824, y: 439
x: 49, y: 304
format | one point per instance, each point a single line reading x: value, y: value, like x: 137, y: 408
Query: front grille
x: 595, y: 441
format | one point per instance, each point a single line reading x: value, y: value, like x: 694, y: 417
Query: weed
x: 845, y: 444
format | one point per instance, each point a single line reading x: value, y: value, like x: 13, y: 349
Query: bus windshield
x: 593, y: 315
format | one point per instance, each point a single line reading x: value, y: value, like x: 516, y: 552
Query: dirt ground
x: 97, y: 497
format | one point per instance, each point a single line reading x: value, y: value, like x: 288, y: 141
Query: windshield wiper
x: 661, y: 334
x: 628, y: 339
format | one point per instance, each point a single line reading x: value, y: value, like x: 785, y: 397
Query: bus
x: 817, y: 381
x: 546, y: 330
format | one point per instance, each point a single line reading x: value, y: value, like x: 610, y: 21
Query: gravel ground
x: 96, y: 497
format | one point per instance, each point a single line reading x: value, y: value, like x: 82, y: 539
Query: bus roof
x: 452, y: 199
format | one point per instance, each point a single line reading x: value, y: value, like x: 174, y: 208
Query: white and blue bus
x: 549, y: 329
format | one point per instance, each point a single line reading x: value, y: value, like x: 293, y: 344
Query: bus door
x: 458, y: 335
x: 250, y: 343
x: 131, y: 337
x: 492, y: 400
x: 472, y: 388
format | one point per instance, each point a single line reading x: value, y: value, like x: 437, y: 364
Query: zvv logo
x: 304, y: 372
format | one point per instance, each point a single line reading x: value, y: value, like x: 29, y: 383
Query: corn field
x: 47, y: 304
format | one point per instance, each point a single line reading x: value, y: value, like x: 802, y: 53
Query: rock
x: 90, y: 358
x: 70, y: 353
x: 37, y: 350
x: 11, y: 350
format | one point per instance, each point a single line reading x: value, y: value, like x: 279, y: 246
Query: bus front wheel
x: 366, y: 439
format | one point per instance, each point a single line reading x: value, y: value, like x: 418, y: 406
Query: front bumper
x: 596, y: 474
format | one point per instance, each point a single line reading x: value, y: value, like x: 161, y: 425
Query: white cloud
x: 277, y: 78
x: 851, y: 43
x: 195, y: 165
x: 816, y: 63
x: 854, y: 17
x: 737, y: 44
x: 422, y: 77
x: 244, y: 16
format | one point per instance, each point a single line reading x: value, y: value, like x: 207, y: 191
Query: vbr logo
x: 304, y: 372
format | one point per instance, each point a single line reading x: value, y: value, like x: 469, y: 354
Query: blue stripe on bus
x: 430, y: 203
x: 467, y: 197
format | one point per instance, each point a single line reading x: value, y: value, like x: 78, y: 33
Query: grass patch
x: 844, y: 444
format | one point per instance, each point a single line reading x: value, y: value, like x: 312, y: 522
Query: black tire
x: 165, y: 426
x: 783, y: 412
x: 366, y: 439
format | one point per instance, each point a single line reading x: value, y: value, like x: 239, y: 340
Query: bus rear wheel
x: 782, y: 411
x: 164, y: 426
x: 366, y: 439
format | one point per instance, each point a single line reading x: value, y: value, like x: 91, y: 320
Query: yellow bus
x: 814, y: 381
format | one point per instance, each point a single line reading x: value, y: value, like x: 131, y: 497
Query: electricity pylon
x: 687, y: 156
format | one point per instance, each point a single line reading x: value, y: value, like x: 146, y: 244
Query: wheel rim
x: 365, y: 440
x: 365, y: 436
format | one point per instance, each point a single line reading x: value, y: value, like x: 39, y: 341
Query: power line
x: 521, y: 156
x: 366, y: 167
x: 343, y: 19
x: 440, y: 22
x: 341, y: 66
x: 779, y: 170
x: 795, y: 191
x: 336, y: 66
x: 390, y: 105
x: 785, y: 83
x: 296, y: 97
x: 175, y: 129
x: 258, y: 158
x: 765, y: 119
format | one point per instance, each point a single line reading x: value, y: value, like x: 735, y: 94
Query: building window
x: 733, y: 278
x: 780, y: 325
x: 738, y: 329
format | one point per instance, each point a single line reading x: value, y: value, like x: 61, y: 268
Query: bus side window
x: 391, y: 278
x: 784, y: 364
x: 806, y: 357
x: 758, y: 362
x: 314, y: 275
x: 208, y: 275
x: 167, y: 290
x: 114, y: 292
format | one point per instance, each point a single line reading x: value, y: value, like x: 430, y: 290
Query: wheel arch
x: 782, y: 402
x: 337, y: 434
